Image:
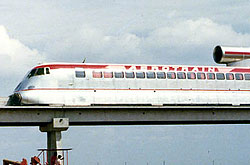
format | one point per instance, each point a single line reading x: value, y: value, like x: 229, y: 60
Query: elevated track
x: 124, y: 115
x: 54, y: 120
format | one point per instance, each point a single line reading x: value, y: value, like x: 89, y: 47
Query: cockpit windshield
x: 38, y: 72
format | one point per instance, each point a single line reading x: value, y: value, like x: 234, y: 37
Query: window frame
x: 137, y: 75
x: 32, y: 73
x: 95, y: 72
x: 219, y: 77
x: 179, y: 74
x: 164, y: 75
x: 128, y: 73
x: 248, y: 76
x: 107, y: 74
x: 189, y: 75
x: 228, y: 76
x: 38, y: 70
x: 171, y: 75
x: 239, y: 74
x: 208, y: 76
x: 115, y: 74
x: 77, y: 75
x: 200, y: 77
x: 47, y: 70
x: 148, y: 73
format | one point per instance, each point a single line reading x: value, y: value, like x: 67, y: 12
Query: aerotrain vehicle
x: 84, y: 84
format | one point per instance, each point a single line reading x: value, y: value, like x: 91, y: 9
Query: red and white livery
x: 81, y: 84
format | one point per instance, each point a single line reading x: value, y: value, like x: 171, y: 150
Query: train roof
x: 149, y: 67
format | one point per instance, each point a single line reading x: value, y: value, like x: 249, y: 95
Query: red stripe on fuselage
x: 70, y: 66
x: 241, y: 70
x: 237, y: 53
x: 149, y: 67
x: 105, y: 89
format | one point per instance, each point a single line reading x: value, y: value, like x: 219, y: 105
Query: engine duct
x: 225, y: 55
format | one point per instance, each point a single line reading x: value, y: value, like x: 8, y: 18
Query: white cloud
x: 95, y: 45
x: 191, y: 41
x: 15, y: 60
x: 14, y: 55
x: 197, y: 32
x: 181, y: 42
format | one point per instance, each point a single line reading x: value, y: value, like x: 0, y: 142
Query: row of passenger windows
x: 168, y: 75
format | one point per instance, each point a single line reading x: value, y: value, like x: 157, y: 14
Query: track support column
x: 54, y: 135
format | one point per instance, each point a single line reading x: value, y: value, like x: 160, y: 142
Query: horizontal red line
x: 240, y: 70
x: 130, y: 89
x: 71, y: 66
x: 167, y: 68
x: 237, y: 53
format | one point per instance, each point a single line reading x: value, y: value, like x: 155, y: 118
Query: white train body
x: 115, y: 84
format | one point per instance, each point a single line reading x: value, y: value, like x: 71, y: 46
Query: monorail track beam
x: 125, y: 115
x: 53, y: 120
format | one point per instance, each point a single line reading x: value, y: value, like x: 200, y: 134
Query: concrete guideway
x: 54, y: 120
x: 124, y: 115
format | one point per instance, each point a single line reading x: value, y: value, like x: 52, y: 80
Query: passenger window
x: 181, y: 75
x: 151, y: 75
x: 191, y: 75
x: 229, y: 76
x: 239, y: 76
x: 201, y: 76
x: 220, y: 76
x: 210, y: 76
x: 47, y: 71
x: 108, y: 74
x: 40, y: 71
x: 140, y: 75
x: 80, y: 74
x: 130, y: 75
x: 161, y: 75
x: 119, y: 75
x: 247, y: 76
x: 97, y: 74
x: 171, y: 75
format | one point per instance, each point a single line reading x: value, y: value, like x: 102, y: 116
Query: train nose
x: 15, y: 99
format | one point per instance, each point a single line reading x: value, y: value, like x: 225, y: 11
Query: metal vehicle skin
x: 80, y: 84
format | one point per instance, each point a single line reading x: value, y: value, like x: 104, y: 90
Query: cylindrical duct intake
x: 225, y: 55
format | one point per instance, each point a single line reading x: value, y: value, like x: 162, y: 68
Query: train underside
x: 130, y: 97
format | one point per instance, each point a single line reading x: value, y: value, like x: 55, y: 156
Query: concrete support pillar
x: 54, y: 135
x: 54, y: 140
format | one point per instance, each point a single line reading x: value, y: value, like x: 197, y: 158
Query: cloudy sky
x: 131, y: 31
